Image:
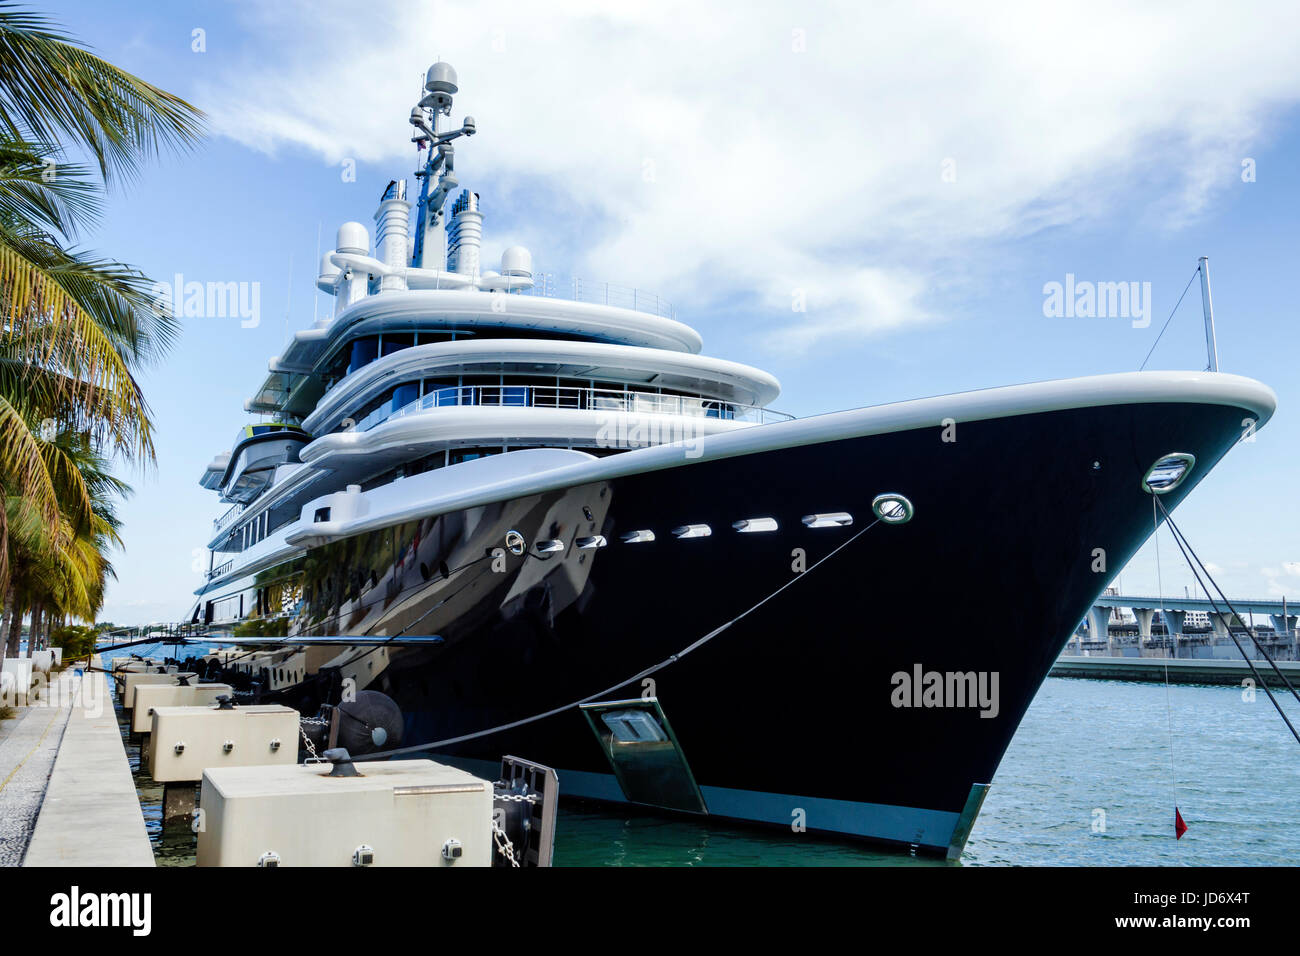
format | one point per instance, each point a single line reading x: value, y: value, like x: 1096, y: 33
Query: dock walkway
x: 91, y: 813
x: 27, y: 754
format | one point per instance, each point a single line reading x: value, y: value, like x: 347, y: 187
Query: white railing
x: 593, y: 399
x: 600, y: 293
x: 224, y: 522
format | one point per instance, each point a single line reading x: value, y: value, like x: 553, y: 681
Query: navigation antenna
x: 440, y: 86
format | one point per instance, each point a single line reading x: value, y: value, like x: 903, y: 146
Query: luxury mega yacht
x: 544, y: 522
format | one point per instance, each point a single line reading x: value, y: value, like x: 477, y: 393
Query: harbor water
x: 1088, y: 781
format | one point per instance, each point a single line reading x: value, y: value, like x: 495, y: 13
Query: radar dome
x: 441, y: 79
x: 354, y: 238
x: 517, y: 261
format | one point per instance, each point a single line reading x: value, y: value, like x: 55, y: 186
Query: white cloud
x: 1280, y: 581
x: 704, y: 155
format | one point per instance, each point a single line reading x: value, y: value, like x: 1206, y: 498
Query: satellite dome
x: 353, y: 237
x: 517, y: 261
x: 441, y: 78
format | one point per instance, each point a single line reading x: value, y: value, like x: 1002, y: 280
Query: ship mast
x: 440, y: 86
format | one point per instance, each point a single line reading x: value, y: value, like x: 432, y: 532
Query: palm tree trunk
x: 15, y: 631
x: 34, y: 630
x: 4, y: 623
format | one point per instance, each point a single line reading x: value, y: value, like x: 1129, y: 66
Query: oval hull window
x: 892, y: 508
x: 1168, y: 473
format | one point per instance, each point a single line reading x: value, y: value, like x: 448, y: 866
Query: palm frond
x: 37, y: 191
x: 52, y: 329
x: 51, y: 89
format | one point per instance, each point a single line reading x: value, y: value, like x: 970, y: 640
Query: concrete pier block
x: 396, y: 813
x: 150, y: 696
x: 185, y: 741
x: 134, y: 679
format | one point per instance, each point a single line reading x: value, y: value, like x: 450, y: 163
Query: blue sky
x: 915, y: 173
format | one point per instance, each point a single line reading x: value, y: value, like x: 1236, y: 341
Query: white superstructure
x: 429, y: 360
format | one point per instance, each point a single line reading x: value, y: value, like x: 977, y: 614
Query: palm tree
x: 74, y: 328
x: 66, y: 573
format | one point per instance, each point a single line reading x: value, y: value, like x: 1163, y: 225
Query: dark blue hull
x: 791, y: 714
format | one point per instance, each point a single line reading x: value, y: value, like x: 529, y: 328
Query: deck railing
x: 593, y: 399
x: 578, y: 289
x: 224, y: 522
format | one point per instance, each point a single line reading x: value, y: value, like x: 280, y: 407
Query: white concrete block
x: 185, y: 741
x: 150, y: 696
x: 405, y: 811
x: 132, y: 680
x: 19, y: 686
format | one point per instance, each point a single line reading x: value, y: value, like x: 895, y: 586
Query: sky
x: 867, y: 200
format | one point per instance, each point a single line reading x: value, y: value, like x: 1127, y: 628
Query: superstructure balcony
x: 594, y: 399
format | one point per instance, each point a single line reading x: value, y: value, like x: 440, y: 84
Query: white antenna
x: 315, y: 299
x: 288, y: 299
x: 1211, y: 347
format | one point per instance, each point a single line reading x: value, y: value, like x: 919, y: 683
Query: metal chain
x: 519, y: 797
x: 504, y: 846
x: 311, y: 748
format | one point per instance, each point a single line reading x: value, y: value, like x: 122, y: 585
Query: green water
x: 1084, y: 746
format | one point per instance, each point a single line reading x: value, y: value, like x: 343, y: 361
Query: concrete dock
x: 29, y: 744
x: 1179, y: 670
x: 89, y: 811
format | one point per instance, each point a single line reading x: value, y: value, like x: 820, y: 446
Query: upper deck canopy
x: 469, y: 310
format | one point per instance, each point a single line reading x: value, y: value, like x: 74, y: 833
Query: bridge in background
x: 1095, y: 630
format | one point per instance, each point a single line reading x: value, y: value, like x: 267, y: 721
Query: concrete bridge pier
x: 1144, y: 616
x: 1219, y: 622
x: 1174, y: 621
x: 1098, y: 625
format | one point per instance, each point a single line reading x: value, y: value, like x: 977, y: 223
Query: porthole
x: 548, y: 547
x: 832, y: 519
x: 755, y: 525
x: 892, y: 508
x: 636, y: 537
x: 692, y: 531
x: 1168, y: 473
x: 595, y: 541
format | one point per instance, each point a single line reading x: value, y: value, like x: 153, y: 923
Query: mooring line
x: 1179, y: 540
